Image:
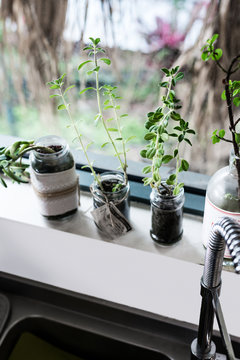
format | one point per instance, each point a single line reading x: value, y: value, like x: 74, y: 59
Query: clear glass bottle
x: 221, y: 198
x: 166, y: 216
x: 54, y: 178
x: 120, y: 198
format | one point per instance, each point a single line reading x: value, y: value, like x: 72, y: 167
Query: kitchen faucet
x: 225, y: 231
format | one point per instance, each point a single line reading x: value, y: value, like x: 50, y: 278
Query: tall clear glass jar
x: 166, y: 216
x: 54, y: 178
x: 120, y: 198
x: 221, y: 198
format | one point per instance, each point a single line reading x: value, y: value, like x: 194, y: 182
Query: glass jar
x: 54, y: 178
x: 119, y: 198
x: 166, y: 216
x: 221, y: 198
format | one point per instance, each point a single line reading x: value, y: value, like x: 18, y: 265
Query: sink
x: 91, y: 328
x: 85, y: 344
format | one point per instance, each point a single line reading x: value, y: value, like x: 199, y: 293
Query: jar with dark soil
x: 166, y: 216
x: 54, y: 178
x: 119, y: 198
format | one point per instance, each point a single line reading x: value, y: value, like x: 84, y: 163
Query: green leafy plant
x: 162, y: 125
x: 231, y: 95
x: 11, y: 163
x: 113, y: 132
x: 58, y: 85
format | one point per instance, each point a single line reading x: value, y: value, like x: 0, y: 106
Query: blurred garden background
x: 41, y: 39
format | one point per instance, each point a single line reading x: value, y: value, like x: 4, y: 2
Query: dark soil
x: 166, y: 225
x: 55, y: 148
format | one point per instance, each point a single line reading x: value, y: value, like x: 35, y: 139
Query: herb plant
x: 160, y: 128
x: 58, y: 85
x: 113, y: 132
x: 231, y: 95
x: 11, y: 160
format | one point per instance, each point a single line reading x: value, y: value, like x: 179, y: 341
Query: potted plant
x: 110, y: 190
x: 52, y: 170
x: 223, y: 191
x: 166, y: 132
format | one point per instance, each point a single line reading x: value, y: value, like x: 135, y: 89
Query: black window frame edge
x: 195, y: 183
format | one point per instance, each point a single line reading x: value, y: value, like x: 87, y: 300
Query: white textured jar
x: 54, y: 178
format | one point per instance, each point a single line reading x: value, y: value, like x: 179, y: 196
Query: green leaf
x: 164, y: 137
x: 89, y: 72
x: 147, y: 181
x: 143, y: 153
x: 55, y: 86
x: 175, y: 153
x: 221, y: 133
x: 130, y: 138
x: 88, y: 47
x: 147, y: 169
x: 184, y: 165
x: 217, y: 54
x: 61, y: 107
x: 84, y: 63
x: 3, y: 182
x: 157, y: 163
x: 188, y: 141
x: 112, y: 129
x: 106, y: 102
x: 167, y: 158
x: 150, y: 136
x: 175, y: 116
x: 54, y: 95
x: 108, y: 107
x: 205, y: 56
x: 215, y: 139
x: 164, y: 84
x: 150, y: 153
x: 96, y: 69
x: 166, y: 71
x: 156, y: 176
x: 179, y: 76
x: 103, y: 145
x: 190, y: 131
x: 214, y: 38
x: 237, y: 138
x: 97, y: 40
x: 223, y: 96
x: 106, y: 61
x: 123, y: 115
x: 86, y: 89
x: 67, y: 89
x: 180, y: 138
x: 236, y: 101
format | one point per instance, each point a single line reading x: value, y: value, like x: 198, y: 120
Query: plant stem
x: 124, y: 165
x: 231, y: 120
x: 96, y: 178
x: 101, y: 112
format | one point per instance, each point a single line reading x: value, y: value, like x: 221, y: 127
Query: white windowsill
x: 131, y: 270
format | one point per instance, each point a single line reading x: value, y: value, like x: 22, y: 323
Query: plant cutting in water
x: 114, y: 132
x: 109, y: 104
x: 231, y: 95
x: 11, y: 160
x: 163, y: 124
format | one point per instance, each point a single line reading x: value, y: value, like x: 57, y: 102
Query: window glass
x: 40, y: 40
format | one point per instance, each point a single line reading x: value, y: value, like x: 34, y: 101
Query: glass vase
x: 166, y: 216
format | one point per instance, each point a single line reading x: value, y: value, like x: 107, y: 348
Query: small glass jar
x: 119, y: 198
x: 166, y: 216
x: 54, y: 178
x: 222, y: 198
